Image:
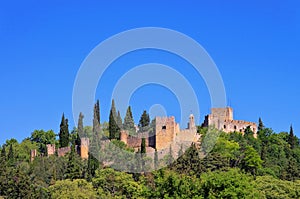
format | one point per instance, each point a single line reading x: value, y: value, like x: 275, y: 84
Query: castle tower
x: 33, y: 154
x: 123, y: 136
x: 50, y: 149
x: 84, y: 148
x: 191, y: 124
x: 165, y: 132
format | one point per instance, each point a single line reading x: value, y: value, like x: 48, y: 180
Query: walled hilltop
x: 222, y: 119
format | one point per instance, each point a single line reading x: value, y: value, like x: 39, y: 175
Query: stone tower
x: 165, y: 132
x: 84, y: 148
x: 191, y: 124
x: 50, y: 149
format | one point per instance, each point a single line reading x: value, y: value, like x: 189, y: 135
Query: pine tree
x: 145, y: 120
x: 64, y: 137
x: 10, y: 155
x: 291, y: 139
x: 93, y: 165
x: 73, y: 168
x: 128, y: 121
x: 260, y: 125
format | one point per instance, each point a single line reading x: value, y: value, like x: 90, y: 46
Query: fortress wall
x: 165, y: 132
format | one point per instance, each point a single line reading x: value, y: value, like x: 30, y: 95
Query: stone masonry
x: 222, y: 119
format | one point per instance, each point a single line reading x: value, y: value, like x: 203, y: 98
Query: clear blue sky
x: 255, y: 45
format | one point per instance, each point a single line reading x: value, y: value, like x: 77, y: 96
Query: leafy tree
x: 128, y: 121
x: 274, y: 188
x: 113, y: 126
x: 231, y: 184
x: 64, y: 132
x: 78, y: 188
x: 110, y: 183
x: 42, y: 138
x: 252, y: 161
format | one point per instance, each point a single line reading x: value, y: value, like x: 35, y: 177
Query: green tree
x: 231, y: 184
x: 3, y: 154
x: 114, y: 184
x: 260, y: 125
x: 292, y: 140
x: 252, y: 161
x: 144, y: 121
x: 119, y: 120
x: 64, y: 132
x: 80, y: 125
x: 128, y: 121
x: 113, y: 126
x: 93, y: 165
x: 42, y: 138
x: 74, y: 167
x: 72, y: 189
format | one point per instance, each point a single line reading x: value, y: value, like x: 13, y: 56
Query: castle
x: 222, y: 119
x: 166, y: 133
x: 82, y: 150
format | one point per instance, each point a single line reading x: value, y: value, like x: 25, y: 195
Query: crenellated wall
x: 222, y: 119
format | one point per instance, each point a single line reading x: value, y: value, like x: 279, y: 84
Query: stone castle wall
x: 166, y: 133
x: 222, y: 119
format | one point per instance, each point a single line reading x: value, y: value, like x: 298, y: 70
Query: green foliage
x: 42, y: 138
x: 113, y: 124
x: 274, y: 188
x: 72, y: 189
x: 251, y: 161
x: 80, y: 126
x: 144, y: 121
x: 128, y: 121
x: 230, y: 184
x: 110, y: 183
x: 64, y: 132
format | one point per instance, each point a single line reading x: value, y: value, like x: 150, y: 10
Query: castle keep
x: 222, y: 119
x: 166, y: 133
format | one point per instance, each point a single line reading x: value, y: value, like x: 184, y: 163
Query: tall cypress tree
x: 119, y: 120
x: 80, y: 125
x: 292, y: 139
x: 10, y: 155
x: 112, y: 123
x: 260, y: 125
x: 3, y: 153
x: 128, y: 121
x: 64, y: 136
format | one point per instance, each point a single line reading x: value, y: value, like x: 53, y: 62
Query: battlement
x: 222, y: 119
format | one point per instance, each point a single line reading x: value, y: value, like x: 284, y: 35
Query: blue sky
x: 255, y: 45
